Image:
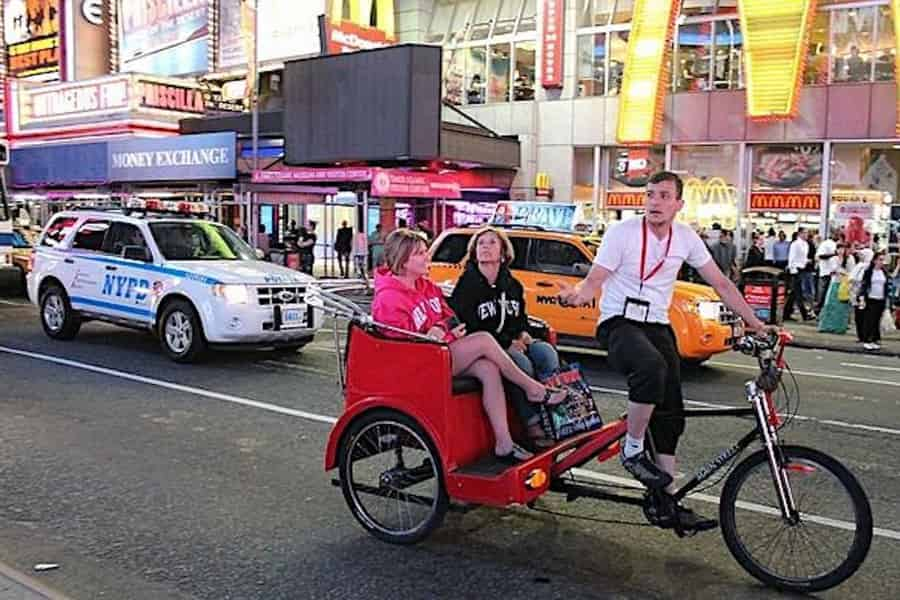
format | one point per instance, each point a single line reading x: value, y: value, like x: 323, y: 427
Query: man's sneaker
x: 645, y: 470
x: 662, y: 514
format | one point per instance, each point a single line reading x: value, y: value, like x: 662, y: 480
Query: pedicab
x: 413, y: 442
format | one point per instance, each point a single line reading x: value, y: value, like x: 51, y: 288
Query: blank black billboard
x: 376, y: 105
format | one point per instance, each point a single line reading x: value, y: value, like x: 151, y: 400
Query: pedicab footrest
x: 491, y: 482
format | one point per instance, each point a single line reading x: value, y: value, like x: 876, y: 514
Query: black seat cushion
x: 465, y: 385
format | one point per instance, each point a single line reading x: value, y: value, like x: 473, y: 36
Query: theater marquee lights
x: 775, y: 37
x: 646, y: 76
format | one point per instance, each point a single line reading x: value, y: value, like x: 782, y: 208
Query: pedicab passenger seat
x: 463, y: 384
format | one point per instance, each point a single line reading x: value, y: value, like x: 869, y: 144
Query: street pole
x: 254, y: 101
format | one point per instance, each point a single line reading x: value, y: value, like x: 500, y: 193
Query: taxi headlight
x: 708, y: 310
x: 232, y: 293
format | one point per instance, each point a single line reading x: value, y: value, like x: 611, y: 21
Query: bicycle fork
x: 769, y: 436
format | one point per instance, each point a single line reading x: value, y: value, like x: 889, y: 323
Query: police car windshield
x: 199, y: 241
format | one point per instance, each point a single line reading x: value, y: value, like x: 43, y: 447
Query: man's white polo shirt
x: 620, y: 253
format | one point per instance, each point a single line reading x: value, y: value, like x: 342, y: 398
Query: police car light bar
x: 168, y: 206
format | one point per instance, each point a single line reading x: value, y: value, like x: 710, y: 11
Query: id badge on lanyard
x: 638, y: 309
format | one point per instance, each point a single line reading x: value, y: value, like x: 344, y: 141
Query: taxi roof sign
x: 547, y: 215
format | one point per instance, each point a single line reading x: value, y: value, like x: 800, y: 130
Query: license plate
x: 293, y: 317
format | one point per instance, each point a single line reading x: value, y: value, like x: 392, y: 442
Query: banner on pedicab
x: 577, y: 413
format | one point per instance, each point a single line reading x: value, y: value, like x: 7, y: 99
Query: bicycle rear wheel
x: 826, y: 545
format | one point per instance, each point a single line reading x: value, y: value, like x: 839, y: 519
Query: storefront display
x: 711, y: 178
x: 864, y: 186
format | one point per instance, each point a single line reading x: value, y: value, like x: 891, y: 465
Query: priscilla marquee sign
x: 185, y: 157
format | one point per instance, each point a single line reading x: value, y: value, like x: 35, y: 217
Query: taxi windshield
x: 199, y: 241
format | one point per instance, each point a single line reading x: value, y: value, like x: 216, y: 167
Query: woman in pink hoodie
x: 405, y: 298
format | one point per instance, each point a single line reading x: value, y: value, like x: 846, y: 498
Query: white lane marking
x: 810, y: 374
x: 296, y: 367
x: 751, y: 506
x: 172, y: 386
x: 834, y: 422
x: 331, y: 420
x: 875, y: 367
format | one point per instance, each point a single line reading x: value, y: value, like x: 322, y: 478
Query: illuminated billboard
x: 775, y: 37
x: 31, y: 34
x: 646, y: 71
x: 287, y: 29
x: 164, y: 37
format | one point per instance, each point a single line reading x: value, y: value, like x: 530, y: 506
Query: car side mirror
x: 141, y: 253
x: 581, y: 268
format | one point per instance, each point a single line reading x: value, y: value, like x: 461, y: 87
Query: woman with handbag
x: 488, y: 298
x: 874, y: 292
x: 835, y: 315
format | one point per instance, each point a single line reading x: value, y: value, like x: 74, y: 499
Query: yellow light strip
x: 775, y: 36
x: 644, y: 82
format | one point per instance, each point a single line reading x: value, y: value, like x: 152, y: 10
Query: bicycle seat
x: 463, y: 384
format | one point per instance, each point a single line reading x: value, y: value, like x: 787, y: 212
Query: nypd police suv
x: 192, y: 282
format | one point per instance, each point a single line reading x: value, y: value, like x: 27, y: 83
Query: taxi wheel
x: 58, y: 318
x: 181, y: 333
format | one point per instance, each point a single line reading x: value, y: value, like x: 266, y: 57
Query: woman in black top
x: 488, y: 298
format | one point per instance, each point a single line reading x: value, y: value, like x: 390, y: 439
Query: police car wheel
x: 181, y: 333
x: 58, y: 319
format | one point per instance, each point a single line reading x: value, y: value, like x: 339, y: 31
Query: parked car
x: 192, y: 282
x: 544, y: 259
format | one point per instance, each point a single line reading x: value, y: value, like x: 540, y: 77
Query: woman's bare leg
x: 494, y: 402
x: 480, y: 345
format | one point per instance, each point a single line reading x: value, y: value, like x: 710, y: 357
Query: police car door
x: 84, y: 267
x: 126, y: 283
x: 553, y: 262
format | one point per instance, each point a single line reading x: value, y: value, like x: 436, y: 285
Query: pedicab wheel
x: 58, y: 319
x: 391, y: 477
x: 823, y: 547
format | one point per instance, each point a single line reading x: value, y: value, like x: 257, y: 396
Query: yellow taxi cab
x: 545, y: 259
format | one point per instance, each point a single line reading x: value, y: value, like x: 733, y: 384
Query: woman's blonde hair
x: 507, y: 253
x: 399, y: 246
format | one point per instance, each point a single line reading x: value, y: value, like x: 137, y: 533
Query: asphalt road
x: 145, y: 479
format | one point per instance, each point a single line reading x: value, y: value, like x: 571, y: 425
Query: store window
x: 593, y: 13
x: 524, y: 77
x: 691, y: 8
x: 618, y: 48
x: 885, y: 47
x: 476, y: 61
x: 853, y: 40
x: 693, y: 57
x: 817, y: 57
x: 529, y: 16
x: 485, y: 14
x: 864, y: 187
x: 583, y: 192
x: 591, y: 65
x: 440, y: 21
x: 711, y: 177
x: 785, y: 191
x: 623, y: 10
x: 498, y: 77
x: 727, y: 65
x: 454, y: 76
x: 462, y: 20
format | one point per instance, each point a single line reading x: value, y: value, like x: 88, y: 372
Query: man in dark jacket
x: 343, y: 244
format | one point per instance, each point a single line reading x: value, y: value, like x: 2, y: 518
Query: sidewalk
x: 806, y: 336
x: 15, y: 585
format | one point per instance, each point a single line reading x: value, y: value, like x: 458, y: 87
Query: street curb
x: 31, y: 584
x: 845, y: 350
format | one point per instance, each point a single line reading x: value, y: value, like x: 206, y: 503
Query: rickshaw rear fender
x: 360, y: 407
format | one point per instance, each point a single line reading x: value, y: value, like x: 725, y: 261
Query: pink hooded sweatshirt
x: 416, y: 310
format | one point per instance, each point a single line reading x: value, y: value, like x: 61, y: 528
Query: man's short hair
x: 661, y: 176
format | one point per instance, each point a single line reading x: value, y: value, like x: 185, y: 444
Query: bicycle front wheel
x: 827, y: 543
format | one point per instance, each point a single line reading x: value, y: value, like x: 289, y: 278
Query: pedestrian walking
x: 769, y: 246
x: 376, y: 247
x: 808, y: 274
x: 864, y: 258
x: 828, y: 262
x: 835, y: 314
x: 798, y: 257
x: 874, y: 292
x: 756, y: 255
x: 780, y: 251
x: 360, y: 253
x: 343, y: 244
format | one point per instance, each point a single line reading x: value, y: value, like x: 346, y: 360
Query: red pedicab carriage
x: 412, y: 439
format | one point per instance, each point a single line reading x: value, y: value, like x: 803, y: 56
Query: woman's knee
x: 544, y: 357
x: 484, y: 370
x: 522, y: 361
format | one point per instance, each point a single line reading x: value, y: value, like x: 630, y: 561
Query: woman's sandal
x: 550, y: 396
x: 515, y: 456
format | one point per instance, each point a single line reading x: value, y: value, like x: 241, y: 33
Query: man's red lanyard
x: 662, y: 261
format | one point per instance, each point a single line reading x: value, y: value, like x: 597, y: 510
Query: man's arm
x: 730, y: 295
x: 586, y: 289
